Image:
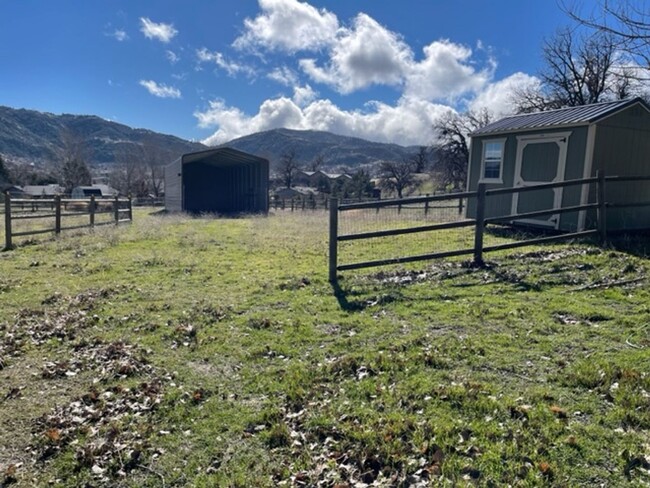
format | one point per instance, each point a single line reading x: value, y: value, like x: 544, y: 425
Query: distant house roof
x: 43, y: 190
x: 12, y: 189
x: 97, y: 190
x: 571, y: 116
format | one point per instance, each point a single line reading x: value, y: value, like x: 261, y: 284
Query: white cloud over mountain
x: 347, y: 60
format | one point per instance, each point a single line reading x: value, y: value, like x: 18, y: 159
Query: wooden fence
x: 479, y: 223
x: 56, y: 210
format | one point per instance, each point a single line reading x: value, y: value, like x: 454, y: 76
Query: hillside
x: 31, y: 136
x: 336, y: 150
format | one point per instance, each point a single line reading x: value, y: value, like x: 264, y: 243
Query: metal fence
x: 58, y: 214
x: 459, y: 235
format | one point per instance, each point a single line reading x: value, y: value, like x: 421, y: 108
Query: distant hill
x: 31, y: 136
x: 308, y: 144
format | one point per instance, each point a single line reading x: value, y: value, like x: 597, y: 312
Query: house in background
x: 319, y: 179
x: 99, y: 191
x: 565, y: 144
x: 220, y: 180
x: 43, y: 191
x: 14, y: 191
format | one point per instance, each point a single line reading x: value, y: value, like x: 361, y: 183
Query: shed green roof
x: 571, y: 116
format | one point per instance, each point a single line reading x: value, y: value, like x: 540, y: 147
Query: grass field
x: 213, y: 352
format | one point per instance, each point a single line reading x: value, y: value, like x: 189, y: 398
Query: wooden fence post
x: 130, y: 209
x: 116, y: 210
x: 602, y: 208
x: 92, y: 211
x: 57, y: 214
x: 480, y: 225
x: 8, y: 243
x: 426, y: 207
x: 460, y: 206
x: 334, y: 231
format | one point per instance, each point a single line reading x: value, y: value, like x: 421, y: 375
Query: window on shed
x: 492, y: 162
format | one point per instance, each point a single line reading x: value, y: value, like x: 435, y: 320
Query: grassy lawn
x: 213, y: 352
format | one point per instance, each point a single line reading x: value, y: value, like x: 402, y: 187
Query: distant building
x: 43, y: 191
x: 14, y: 191
x: 101, y: 191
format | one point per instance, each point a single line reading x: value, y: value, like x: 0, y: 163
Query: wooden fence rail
x: 478, y: 223
x: 58, y: 209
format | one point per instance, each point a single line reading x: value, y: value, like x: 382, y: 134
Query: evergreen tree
x: 4, y: 172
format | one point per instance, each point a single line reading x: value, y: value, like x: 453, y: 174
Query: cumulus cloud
x: 498, y: 97
x: 445, y: 72
x: 160, y: 90
x: 230, y: 67
x: 303, y: 95
x: 283, y: 75
x: 408, y: 122
x: 288, y: 25
x: 366, y: 54
x: 161, y: 32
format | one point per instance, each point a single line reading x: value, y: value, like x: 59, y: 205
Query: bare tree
x: 452, y: 132
x: 625, y: 21
x: 73, y: 161
x: 288, y: 167
x: 420, y: 160
x: 4, y: 172
x: 129, y: 175
x: 316, y: 163
x: 577, y: 70
x: 397, y: 176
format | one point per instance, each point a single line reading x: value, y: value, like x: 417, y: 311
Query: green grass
x: 213, y: 352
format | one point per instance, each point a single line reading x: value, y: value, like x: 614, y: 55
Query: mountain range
x: 29, y: 136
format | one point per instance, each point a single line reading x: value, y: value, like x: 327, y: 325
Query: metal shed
x: 221, y: 180
x: 565, y: 144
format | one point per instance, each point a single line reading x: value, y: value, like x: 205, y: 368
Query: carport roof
x: 222, y: 156
x: 571, y: 116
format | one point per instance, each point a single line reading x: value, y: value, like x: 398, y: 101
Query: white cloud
x: 364, y: 55
x: 152, y: 30
x: 288, y: 25
x: 172, y: 57
x: 230, y: 67
x: 160, y: 90
x: 119, y: 34
x: 498, y: 97
x: 303, y: 95
x: 284, y: 75
x: 446, y: 72
x: 409, y: 122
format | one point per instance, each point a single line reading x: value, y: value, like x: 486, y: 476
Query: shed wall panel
x: 173, y: 187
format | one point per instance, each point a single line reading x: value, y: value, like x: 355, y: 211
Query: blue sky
x: 216, y: 70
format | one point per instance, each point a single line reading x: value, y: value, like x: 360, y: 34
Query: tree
x: 578, y: 70
x: 73, y: 159
x: 627, y: 22
x: 288, y: 167
x: 316, y: 163
x: 359, y: 186
x: 452, y: 131
x: 397, y: 176
x: 420, y: 159
x: 4, y: 172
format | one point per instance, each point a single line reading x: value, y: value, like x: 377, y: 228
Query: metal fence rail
x: 478, y: 223
x: 52, y: 213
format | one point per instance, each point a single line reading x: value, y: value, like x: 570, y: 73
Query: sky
x: 215, y: 70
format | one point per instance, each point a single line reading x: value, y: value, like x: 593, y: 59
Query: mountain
x: 38, y: 137
x: 307, y: 145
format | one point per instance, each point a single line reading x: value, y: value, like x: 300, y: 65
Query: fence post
x: 426, y: 207
x: 92, y: 211
x: 130, y: 209
x: 8, y: 243
x: 460, y: 206
x: 57, y: 214
x: 602, y: 208
x: 480, y: 225
x: 334, y: 231
x: 116, y: 210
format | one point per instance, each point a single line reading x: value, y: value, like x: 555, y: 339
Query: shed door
x: 540, y: 159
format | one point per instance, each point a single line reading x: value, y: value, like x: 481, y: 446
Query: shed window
x: 492, y: 161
